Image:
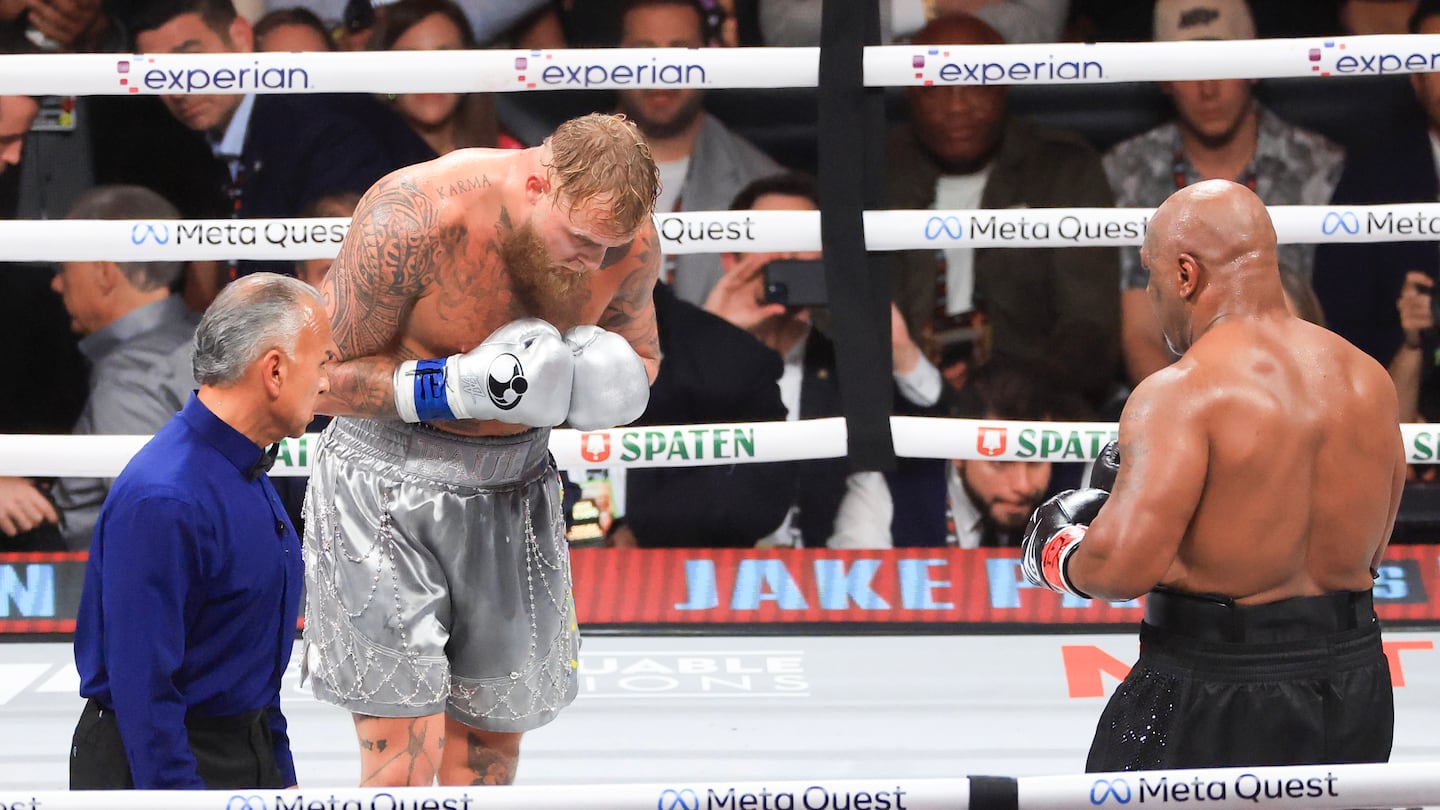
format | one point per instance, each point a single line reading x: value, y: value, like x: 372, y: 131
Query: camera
x: 795, y: 283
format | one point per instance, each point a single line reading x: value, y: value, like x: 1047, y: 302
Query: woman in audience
x: 447, y: 121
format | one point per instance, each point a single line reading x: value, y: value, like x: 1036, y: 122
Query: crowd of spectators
x: 1015, y: 334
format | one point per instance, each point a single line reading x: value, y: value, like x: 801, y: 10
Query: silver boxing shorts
x: 437, y: 576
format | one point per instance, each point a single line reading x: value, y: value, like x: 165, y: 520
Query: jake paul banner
x: 952, y: 589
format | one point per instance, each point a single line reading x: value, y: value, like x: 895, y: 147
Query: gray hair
x: 131, y: 202
x: 250, y: 317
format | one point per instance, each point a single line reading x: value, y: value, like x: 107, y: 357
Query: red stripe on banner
x: 19, y: 626
x: 22, y: 557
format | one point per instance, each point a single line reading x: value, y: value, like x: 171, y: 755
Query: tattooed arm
x: 387, y: 261
x: 631, y: 312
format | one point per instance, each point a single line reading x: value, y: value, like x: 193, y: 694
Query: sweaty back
x: 1303, y: 450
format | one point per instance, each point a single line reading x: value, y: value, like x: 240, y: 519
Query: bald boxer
x: 478, y: 300
x: 1259, y: 477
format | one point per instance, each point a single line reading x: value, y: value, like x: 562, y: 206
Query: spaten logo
x: 595, y: 447
x: 990, y: 441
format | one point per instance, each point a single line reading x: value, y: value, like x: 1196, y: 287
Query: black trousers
x: 230, y: 752
x: 1296, y: 682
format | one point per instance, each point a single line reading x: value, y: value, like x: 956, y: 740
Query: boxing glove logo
x: 505, y: 382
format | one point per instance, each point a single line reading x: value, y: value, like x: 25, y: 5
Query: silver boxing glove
x: 611, y: 385
x: 521, y: 374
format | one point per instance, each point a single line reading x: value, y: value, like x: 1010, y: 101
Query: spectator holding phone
x: 831, y: 506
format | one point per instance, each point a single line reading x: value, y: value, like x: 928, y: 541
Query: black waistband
x: 195, y: 722
x: 1218, y: 618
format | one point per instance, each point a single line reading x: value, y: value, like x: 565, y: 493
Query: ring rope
x: 1317, y: 787
x: 687, y: 445
x: 709, y: 68
x: 707, y: 232
x: 1335, y: 786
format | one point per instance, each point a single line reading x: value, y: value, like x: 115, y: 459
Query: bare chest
x: 474, y: 292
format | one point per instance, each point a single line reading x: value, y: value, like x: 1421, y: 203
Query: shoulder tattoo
x: 388, y: 258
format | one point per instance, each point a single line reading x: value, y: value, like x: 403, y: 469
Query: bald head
x: 1222, y: 224
x: 957, y: 29
x: 1210, y: 251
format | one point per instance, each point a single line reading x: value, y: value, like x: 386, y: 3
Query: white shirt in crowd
x: 863, y: 517
x: 960, y: 192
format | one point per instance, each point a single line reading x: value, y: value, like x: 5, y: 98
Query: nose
x: 591, y: 257
x: 961, y: 99
x: 1025, y: 478
x: 1015, y: 477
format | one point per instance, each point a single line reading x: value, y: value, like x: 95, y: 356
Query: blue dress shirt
x: 191, y: 596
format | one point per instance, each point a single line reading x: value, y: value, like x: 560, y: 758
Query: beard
x: 1009, y: 528
x: 660, y: 128
x: 541, y: 288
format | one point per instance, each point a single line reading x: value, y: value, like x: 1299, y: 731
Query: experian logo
x: 1378, y: 64
x: 933, y: 66
x: 133, y: 74
x: 533, y: 69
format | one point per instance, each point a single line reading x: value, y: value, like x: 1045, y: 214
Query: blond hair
x: 601, y: 157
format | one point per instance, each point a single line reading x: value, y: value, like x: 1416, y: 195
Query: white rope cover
x: 1318, y: 787
x: 1315, y: 787
x: 629, y: 68
x: 707, y: 232
x: 686, y: 445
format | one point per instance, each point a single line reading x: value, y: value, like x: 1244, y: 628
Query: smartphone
x: 795, y: 283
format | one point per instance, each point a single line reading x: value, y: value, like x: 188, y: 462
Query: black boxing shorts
x: 1294, y: 682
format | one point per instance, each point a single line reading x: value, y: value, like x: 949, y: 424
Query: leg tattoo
x: 487, y: 765
x: 388, y: 760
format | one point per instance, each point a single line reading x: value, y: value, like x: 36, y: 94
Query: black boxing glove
x: 1107, y: 466
x: 1053, y: 534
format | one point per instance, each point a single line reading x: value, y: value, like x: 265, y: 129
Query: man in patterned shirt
x: 1219, y: 132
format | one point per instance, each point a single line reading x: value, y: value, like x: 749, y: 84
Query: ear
x: 272, y: 372
x: 536, y: 186
x: 728, y: 261
x: 242, y: 36
x: 1187, y: 276
x: 109, y: 277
